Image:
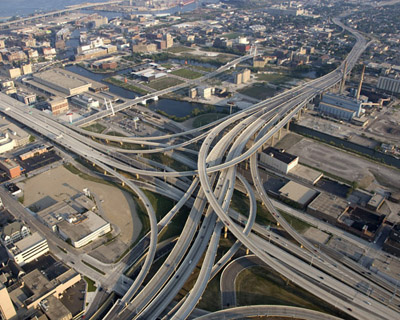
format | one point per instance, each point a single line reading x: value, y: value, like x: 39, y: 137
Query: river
x: 172, y: 107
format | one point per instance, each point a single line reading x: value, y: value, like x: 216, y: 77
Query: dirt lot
x: 60, y: 184
x: 347, y: 166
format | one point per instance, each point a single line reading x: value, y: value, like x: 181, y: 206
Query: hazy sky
x: 25, y: 7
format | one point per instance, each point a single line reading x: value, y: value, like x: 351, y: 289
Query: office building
x: 205, y: 92
x: 28, y: 249
x: 7, y: 310
x: 81, y: 229
x: 11, y: 167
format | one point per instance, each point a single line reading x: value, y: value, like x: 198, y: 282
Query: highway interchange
x: 209, y: 186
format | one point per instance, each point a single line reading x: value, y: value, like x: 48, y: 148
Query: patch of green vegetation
x: 93, y: 267
x: 201, y: 68
x: 32, y: 138
x: 175, y: 227
x: 204, y: 119
x: 116, y: 134
x: 275, y: 78
x: 258, y: 91
x: 297, y: 224
x: 164, y: 83
x: 168, y: 161
x: 161, y: 204
x: 262, y: 285
x: 167, y: 65
x: 90, y: 284
x: 179, y: 49
x: 187, y: 73
x: 126, y: 86
x: 241, y: 203
x: 95, y: 127
x: 232, y: 35
x: 21, y: 199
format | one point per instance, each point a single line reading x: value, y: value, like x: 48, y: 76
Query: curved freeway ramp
x: 228, y: 278
x: 267, y: 311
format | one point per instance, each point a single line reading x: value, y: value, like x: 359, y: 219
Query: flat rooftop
x: 62, y: 78
x: 80, y: 230
x: 29, y: 241
x: 280, y: 154
x: 329, y: 204
x: 306, y: 174
x: 297, y: 192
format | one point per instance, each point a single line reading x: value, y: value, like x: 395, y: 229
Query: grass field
x: 262, y: 285
x: 126, y: 86
x: 164, y: 83
x: 258, y: 91
x: 275, y: 78
x: 90, y: 284
x: 95, y: 127
x: 186, y: 73
x: 204, y: 119
x: 179, y: 49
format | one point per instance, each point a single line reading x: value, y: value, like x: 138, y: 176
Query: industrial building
x: 278, y: 159
x: 361, y: 222
x: 327, y: 207
x: 392, y: 243
x: 389, y: 84
x: 10, y: 167
x: 58, y: 105
x: 340, y: 107
x: 28, y: 248
x: 296, y: 194
x: 63, y: 81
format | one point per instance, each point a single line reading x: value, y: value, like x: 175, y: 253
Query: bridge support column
x: 246, y: 165
x: 272, y: 141
x: 123, y: 184
x: 105, y: 172
x: 107, y: 141
x: 280, y: 134
x: 288, y: 126
x: 225, y: 232
x: 247, y: 251
x: 137, y: 176
x: 121, y: 143
x: 94, y: 164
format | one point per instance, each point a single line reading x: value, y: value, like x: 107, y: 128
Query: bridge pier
x: 247, y: 251
x: 137, y: 176
x: 280, y: 134
x: 288, y: 126
x: 225, y: 232
x: 272, y: 141
x: 123, y: 184
x: 121, y: 143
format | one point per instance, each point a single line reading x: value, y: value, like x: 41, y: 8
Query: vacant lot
x: 258, y: 91
x: 164, y: 83
x: 345, y: 165
x: 60, y: 184
x: 186, y: 73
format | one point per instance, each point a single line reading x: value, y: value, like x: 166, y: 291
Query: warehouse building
x: 63, y: 81
x: 278, y: 159
x: 389, y: 84
x: 296, y: 194
x: 327, y: 207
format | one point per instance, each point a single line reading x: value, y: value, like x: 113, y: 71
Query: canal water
x: 172, y: 107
